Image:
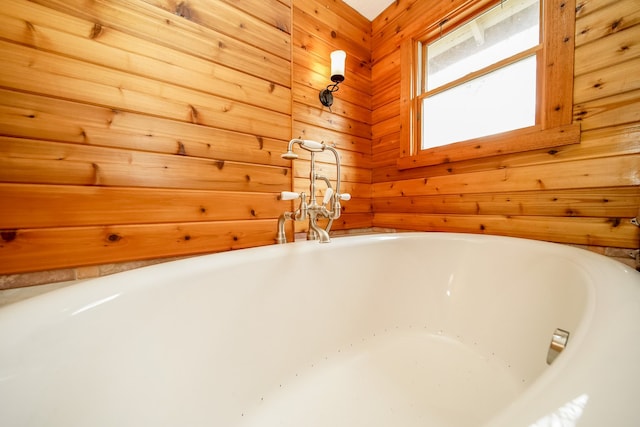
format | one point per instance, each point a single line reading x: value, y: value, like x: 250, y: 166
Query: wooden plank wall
x: 138, y: 129
x: 143, y: 129
x: 580, y: 194
x: 320, y: 27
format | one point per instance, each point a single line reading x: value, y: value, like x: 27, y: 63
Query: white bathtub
x: 417, y: 329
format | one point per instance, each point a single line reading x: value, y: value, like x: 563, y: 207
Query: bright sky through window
x: 477, y: 80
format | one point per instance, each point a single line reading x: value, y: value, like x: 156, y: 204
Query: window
x: 480, y: 79
x: 494, y: 77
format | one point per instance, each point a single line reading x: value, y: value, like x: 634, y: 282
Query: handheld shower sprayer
x: 330, y: 207
x: 307, y: 144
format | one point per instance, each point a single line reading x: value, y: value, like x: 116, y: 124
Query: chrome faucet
x: 330, y: 207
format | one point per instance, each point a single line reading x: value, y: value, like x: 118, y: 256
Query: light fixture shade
x: 338, y: 58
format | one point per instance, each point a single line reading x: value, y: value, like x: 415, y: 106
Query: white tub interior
x: 411, y: 330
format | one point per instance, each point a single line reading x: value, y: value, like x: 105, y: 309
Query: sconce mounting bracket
x: 326, y: 97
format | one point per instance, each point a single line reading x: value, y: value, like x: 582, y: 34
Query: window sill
x: 506, y: 143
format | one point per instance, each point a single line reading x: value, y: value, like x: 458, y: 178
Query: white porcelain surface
x: 416, y: 329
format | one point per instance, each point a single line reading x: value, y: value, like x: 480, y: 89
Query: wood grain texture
x: 38, y: 117
x: 558, y: 194
x: 46, y: 205
x: 32, y: 161
x: 321, y: 26
x: 584, y: 231
x: 142, y: 129
x: 40, y: 248
x: 134, y: 129
x: 165, y: 29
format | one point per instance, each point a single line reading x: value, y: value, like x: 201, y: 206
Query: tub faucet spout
x: 281, y: 236
x: 320, y: 233
x: 329, y: 208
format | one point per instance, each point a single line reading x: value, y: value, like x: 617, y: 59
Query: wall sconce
x: 338, y: 58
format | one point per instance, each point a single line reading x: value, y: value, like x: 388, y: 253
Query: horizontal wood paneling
x: 361, y: 145
x: 594, y: 173
x: 30, y: 161
x: 96, y: 205
x: 225, y: 18
x: 166, y: 30
x: 583, y: 193
x: 606, y: 82
x: 606, y: 142
x: 610, y: 232
x: 612, y: 49
x: 141, y: 129
x: 71, y: 37
x: 40, y: 248
x: 606, y: 19
x: 321, y: 26
x: 31, y: 70
x: 605, y: 202
x: 38, y: 117
x: 274, y: 12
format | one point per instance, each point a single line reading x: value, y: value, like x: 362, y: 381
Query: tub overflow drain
x: 559, y: 341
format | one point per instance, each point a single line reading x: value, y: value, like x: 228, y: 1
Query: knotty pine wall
x: 581, y: 194
x: 320, y: 27
x: 146, y: 129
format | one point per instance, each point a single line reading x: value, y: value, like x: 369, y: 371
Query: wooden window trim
x: 555, y: 95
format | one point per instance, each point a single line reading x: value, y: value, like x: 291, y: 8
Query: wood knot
x: 8, y: 235
x: 181, y: 150
x: 615, y: 222
x: 95, y: 31
x: 615, y: 24
x: 113, y: 237
x: 183, y: 11
x: 193, y: 114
